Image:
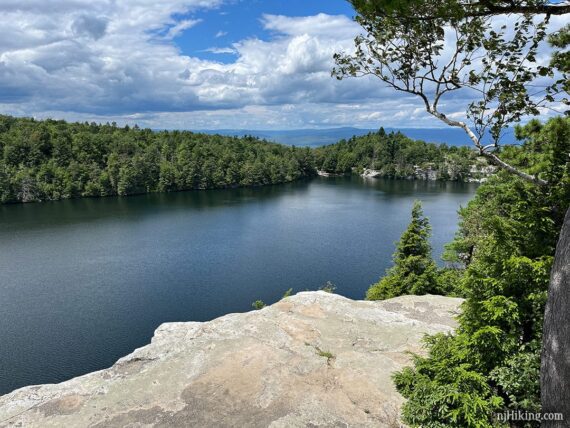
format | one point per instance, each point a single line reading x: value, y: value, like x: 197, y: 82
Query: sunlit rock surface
x: 313, y: 359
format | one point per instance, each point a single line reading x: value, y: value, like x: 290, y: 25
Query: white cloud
x: 221, y: 50
x: 114, y: 59
x: 333, y: 27
x: 180, y: 27
x: 110, y: 60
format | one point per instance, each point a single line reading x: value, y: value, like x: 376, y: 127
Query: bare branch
x: 406, y: 53
x: 491, y: 156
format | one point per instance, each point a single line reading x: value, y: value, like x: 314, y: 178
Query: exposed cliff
x: 313, y: 359
x: 477, y: 172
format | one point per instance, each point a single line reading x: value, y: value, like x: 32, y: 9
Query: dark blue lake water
x: 85, y: 282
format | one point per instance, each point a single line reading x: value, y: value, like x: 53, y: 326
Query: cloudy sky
x: 191, y: 64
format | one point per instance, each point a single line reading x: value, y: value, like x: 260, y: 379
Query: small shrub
x: 258, y: 304
x: 328, y: 287
x: 328, y: 355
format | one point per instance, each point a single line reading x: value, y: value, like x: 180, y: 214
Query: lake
x: 85, y: 282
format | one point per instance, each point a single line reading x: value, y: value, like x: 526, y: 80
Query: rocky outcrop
x: 371, y: 173
x: 321, y: 173
x: 481, y: 172
x: 313, y: 359
x: 429, y: 173
x: 450, y: 170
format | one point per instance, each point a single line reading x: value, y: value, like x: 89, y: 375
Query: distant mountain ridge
x: 323, y: 137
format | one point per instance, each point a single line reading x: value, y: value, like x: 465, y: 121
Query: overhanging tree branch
x: 456, y: 9
x: 483, y: 150
x: 489, y: 8
x: 413, y: 56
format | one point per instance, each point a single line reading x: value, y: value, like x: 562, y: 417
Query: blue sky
x: 240, y: 20
x: 195, y: 64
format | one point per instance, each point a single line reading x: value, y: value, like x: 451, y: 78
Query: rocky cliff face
x: 313, y: 359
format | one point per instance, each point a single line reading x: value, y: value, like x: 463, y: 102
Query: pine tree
x: 506, y: 240
x: 414, y: 271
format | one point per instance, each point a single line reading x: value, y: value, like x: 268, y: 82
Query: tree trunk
x: 555, y: 370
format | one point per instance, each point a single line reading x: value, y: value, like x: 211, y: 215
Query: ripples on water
x: 85, y: 282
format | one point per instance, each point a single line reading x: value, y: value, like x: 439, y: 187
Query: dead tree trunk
x: 555, y: 370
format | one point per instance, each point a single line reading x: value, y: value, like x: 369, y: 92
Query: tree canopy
x: 396, y: 156
x: 454, y: 9
x: 506, y: 243
x: 51, y: 160
x: 433, y: 48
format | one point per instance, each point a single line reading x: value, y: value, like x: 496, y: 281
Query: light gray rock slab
x: 314, y: 359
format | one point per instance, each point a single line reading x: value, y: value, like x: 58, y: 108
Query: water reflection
x: 84, y: 282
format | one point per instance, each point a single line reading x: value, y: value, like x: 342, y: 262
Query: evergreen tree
x: 414, y: 271
x: 395, y: 155
x: 506, y: 241
x: 50, y: 160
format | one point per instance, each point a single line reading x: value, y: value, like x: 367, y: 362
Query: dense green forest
x: 51, y: 160
x: 397, y: 156
x: 500, y: 261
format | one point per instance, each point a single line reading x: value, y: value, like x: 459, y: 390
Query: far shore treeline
x: 51, y: 160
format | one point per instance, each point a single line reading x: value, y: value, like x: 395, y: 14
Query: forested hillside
x: 51, y: 160
x: 395, y: 155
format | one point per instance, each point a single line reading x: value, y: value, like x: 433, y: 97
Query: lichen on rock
x: 312, y: 359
